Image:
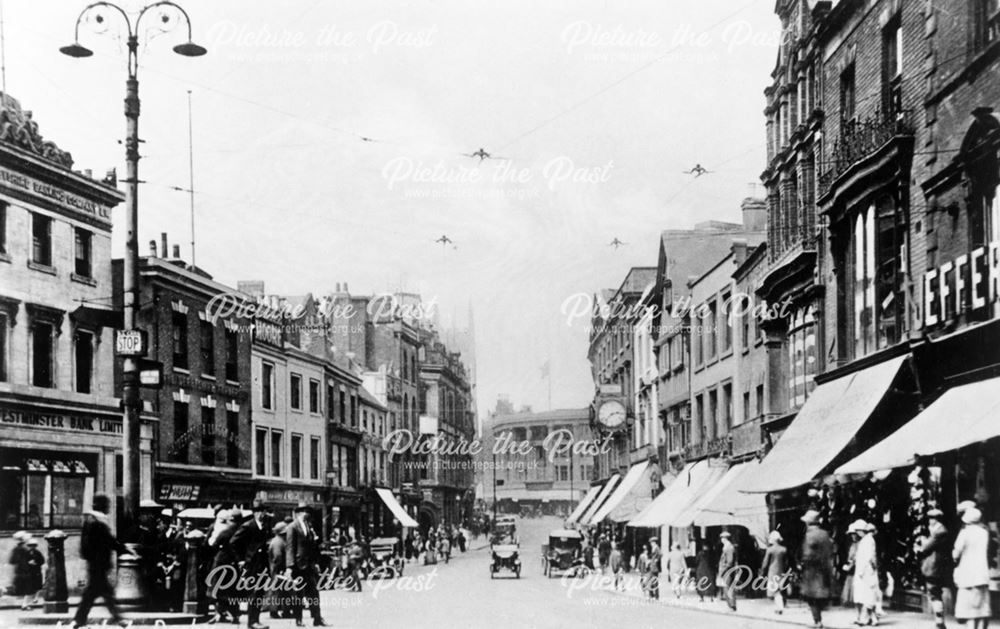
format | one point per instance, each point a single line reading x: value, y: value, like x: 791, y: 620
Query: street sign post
x: 150, y: 373
x: 130, y: 343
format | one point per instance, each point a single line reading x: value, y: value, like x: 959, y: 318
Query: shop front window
x: 44, y: 490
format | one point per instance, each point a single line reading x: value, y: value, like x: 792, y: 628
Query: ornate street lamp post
x: 95, y: 15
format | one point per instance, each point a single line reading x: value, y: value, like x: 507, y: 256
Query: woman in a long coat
x: 775, y: 568
x: 705, y: 572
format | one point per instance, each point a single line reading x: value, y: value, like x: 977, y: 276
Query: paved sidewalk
x: 796, y: 612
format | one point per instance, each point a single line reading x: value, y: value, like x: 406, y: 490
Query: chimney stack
x: 152, y: 248
x: 739, y: 251
x: 163, y: 244
x: 754, y: 214
x: 338, y: 287
x: 177, y: 252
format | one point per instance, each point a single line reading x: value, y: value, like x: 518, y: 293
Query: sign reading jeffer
x: 968, y: 283
x: 130, y: 343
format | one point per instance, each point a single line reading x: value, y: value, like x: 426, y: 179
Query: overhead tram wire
x: 249, y: 202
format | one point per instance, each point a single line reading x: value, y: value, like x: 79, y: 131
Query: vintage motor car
x: 505, y: 557
x: 562, y: 553
x: 504, y: 530
x: 384, y: 557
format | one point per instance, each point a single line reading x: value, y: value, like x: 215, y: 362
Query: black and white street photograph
x: 463, y: 313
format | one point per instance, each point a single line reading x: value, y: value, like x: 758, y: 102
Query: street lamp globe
x: 189, y: 49
x: 76, y: 50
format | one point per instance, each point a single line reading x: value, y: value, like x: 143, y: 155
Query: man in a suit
x: 250, y: 544
x: 97, y: 546
x: 935, y: 553
x: 301, y: 562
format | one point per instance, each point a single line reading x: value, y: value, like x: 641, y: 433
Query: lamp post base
x: 130, y: 588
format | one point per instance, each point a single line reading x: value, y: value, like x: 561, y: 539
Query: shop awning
x: 964, y: 415
x: 394, y: 506
x: 98, y: 317
x: 606, y: 490
x: 586, y: 502
x: 631, y: 496
x: 689, y: 486
x: 728, y: 506
x: 824, y: 427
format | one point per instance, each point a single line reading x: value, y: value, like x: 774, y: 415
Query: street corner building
x: 201, y: 409
x: 552, y: 477
x: 60, y: 419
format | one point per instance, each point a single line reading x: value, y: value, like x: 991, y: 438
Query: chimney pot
x: 177, y: 252
x: 345, y: 288
x: 163, y: 244
x: 152, y: 248
x: 338, y: 287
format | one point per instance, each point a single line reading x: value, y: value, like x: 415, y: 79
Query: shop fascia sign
x: 59, y: 421
x: 967, y: 283
x: 67, y: 200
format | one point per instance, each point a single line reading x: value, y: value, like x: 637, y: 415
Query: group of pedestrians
x: 27, y: 561
x: 252, y: 546
x: 964, y: 563
x: 717, y: 569
x: 434, y: 545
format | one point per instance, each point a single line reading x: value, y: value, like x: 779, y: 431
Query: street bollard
x: 193, y: 540
x: 130, y: 587
x: 56, y: 594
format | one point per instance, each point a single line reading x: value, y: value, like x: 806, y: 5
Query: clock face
x: 611, y: 413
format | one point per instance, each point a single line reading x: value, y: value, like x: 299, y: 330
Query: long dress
x: 972, y: 574
x: 775, y: 567
x: 865, y: 582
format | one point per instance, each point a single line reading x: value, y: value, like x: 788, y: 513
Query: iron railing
x: 860, y: 138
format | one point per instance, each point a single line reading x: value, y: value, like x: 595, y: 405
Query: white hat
x: 858, y: 526
x: 810, y: 517
x: 965, y: 505
x: 775, y: 538
x: 972, y: 516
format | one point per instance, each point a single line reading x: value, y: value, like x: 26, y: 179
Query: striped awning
x: 586, y: 502
x: 606, y: 490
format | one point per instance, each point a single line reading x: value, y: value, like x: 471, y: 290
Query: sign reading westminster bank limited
x: 967, y: 283
x: 59, y: 421
x: 21, y: 183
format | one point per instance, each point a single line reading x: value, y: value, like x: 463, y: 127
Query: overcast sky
x: 328, y: 142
